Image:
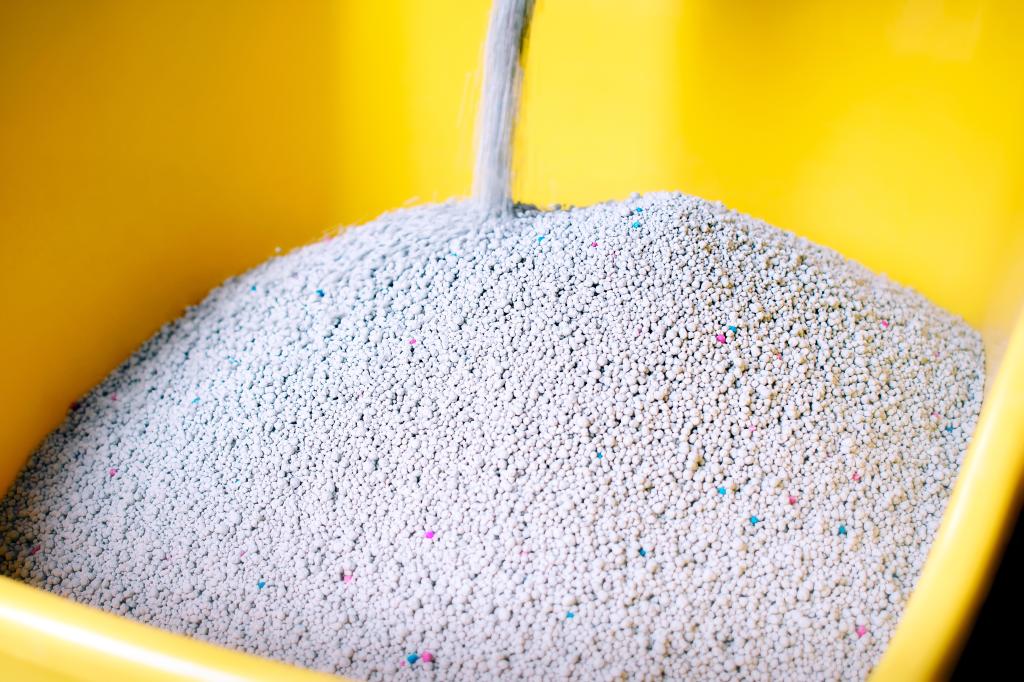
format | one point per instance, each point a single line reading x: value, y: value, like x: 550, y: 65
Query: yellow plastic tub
x: 149, y: 150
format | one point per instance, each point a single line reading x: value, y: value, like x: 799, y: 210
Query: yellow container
x: 149, y: 150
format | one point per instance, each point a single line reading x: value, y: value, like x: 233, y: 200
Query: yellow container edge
x: 60, y: 639
x: 956, y: 576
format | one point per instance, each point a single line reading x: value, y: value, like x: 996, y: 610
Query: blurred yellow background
x: 150, y: 149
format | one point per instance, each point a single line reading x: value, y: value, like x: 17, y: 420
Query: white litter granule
x: 651, y: 438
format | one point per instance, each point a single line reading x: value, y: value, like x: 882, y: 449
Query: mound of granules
x: 643, y: 438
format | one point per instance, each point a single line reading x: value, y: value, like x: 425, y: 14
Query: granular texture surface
x: 645, y: 438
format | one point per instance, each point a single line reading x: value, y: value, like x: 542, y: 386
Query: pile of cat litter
x: 641, y: 438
